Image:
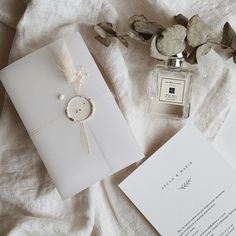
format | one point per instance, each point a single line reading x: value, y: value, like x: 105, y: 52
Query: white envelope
x: 34, y: 83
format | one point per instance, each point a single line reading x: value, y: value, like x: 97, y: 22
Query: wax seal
x: 79, y: 108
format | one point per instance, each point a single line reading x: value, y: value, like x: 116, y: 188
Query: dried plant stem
x: 222, y: 45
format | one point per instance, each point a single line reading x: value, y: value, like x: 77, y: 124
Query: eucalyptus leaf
x: 198, y: 32
x: 202, y: 50
x: 234, y: 57
x: 2, y: 97
x: 135, y: 18
x: 151, y: 28
x: 198, y: 52
x: 100, y: 31
x: 105, y: 41
x: 185, y: 54
x: 229, y: 36
x: 191, y: 59
x: 123, y: 41
x: 105, y: 29
x: 138, y: 36
x: 172, y: 40
x: 181, y: 20
x: 154, y: 51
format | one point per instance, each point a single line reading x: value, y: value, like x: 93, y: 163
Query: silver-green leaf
x: 154, y: 51
x: 135, y: 18
x: 2, y: 97
x: 181, y: 20
x: 151, y: 28
x: 105, y: 41
x: 172, y: 40
x: 229, y: 36
x: 234, y: 57
x: 198, y: 32
x: 138, y: 36
x: 123, y: 41
x: 202, y: 50
x: 198, y: 52
x: 105, y: 29
x: 191, y: 59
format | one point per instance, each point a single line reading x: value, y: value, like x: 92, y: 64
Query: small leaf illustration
x: 186, y: 184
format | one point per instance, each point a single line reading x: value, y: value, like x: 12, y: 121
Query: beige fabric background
x: 29, y: 202
x: 10, y: 13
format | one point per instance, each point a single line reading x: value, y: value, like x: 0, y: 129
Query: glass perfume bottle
x: 169, y: 90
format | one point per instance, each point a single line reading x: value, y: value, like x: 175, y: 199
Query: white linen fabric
x: 29, y: 202
x: 10, y: 13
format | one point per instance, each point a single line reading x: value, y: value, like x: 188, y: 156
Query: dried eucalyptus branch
x: 106, y: 31
x: 191, y: 36
x: 181, y: 20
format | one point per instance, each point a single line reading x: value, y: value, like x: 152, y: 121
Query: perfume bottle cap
x: 176, y: 61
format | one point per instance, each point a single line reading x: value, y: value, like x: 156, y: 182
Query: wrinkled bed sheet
x: 29, y: 202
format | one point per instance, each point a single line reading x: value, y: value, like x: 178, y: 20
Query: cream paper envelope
x: 34, y: 83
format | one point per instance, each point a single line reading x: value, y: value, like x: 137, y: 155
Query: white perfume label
x: 171, y: 90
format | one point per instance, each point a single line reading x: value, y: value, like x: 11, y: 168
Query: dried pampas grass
x: 66, y: 64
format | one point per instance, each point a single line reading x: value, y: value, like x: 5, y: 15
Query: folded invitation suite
x: 70, y: 114
x: 186, y: 188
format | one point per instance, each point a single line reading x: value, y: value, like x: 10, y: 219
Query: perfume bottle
x: 169, y: 92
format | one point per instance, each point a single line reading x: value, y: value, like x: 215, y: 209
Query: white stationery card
x: 186, y: 188
x: 77, y: 128
x: 225, y: 140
